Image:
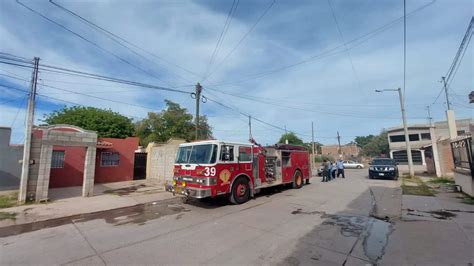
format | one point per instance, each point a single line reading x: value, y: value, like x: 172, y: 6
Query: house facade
x: 420, y: 137
x: 64, y: 156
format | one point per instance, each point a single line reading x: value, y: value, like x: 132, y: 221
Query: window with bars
x: 462, y: 153
x: 402, y: 158
x: 108, y: 159
x: 57, y: 159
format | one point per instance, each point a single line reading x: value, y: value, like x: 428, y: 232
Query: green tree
x: 363, y: 140
x: 292, y: 139
x: 377, y: 145
x: 106, y: 123
x: 173, y: 121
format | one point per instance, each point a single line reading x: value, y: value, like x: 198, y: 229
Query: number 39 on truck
x: 214, y: 168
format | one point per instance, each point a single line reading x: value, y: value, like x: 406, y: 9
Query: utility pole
x: 250, y: 127
x: 28, y: 131
x: 286, y: 136
x: 407, y: 137
x: 339, y: 143
x: 434, y: 144
x: 312, y: 138
x: 198, y: 99
x: 405, y: 128
x: 450, y: 118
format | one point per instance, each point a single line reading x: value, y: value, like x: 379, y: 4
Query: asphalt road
x: 321, y: 223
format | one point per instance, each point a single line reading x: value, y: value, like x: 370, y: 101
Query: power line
x: 91, y: 96
x: 90, y: 42
x: 241, y: 40
x: 303, y: 109
x: 83, y: 74
x: 19, y: 109
x: 333, y: 12
x: 332, y: 51
x: 222, y: 35
x: 114, y: 37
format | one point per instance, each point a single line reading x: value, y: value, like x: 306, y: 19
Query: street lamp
x: 405, y: 128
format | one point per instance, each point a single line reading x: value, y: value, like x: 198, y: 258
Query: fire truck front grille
x: 206, y: 181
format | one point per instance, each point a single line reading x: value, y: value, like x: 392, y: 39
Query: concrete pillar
x: 453, y: 131
x: 42, y: 185
x: 89, y: 171
x: 434, y: 146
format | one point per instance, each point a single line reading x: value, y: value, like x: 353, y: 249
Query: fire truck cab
x: 238, y: 170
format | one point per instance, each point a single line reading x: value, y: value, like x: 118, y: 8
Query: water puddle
x: 124, y: 191
x: 376, y: 239
x: 437, y: 214
x: 138, y: 214
x: 373, y: 232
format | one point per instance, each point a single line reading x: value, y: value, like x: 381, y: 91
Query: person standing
x: 340, y: 168
x: 325, y: 171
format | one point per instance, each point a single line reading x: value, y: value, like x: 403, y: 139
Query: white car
x: 352, y: 165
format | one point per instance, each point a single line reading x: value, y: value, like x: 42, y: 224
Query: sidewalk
x: 67, y: 202
x: 437, y: 228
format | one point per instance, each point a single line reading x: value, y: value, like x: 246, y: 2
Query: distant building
x: 347, y: 151
x: 420, y: 142
x: 10, y: 156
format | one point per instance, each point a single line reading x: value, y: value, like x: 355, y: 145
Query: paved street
x: 322, y: 223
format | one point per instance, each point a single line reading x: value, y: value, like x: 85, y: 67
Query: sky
x: 287, y: 63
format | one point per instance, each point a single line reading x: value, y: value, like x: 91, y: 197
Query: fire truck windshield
x: 198, y: 154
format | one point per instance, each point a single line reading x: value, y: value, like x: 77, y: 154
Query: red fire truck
x: 238, y: 170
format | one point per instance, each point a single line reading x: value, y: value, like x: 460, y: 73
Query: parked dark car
x: 383, y: 168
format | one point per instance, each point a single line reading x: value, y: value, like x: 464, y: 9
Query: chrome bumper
x: 197, y: 193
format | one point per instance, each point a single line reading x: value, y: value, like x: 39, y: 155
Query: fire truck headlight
x: 183, y: 184
x: 174, y: 182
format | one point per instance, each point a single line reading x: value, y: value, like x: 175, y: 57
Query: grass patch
x: 8, y: 200
x: 7, y: 215
x: 468, y: 199
x: 417, y: 190
x: 442, y: 180
x: 420, y: 189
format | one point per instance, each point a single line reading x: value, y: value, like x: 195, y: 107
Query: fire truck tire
x: 240, y: 191
x: 297, y: 179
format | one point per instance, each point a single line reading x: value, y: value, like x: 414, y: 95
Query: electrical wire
x: 240, y: 41
x: 221, y: 36
x: 91, y: 42
x: 62, y: 70
x: 356, y: 77
x: 332, y: 51
x: 117, y: 39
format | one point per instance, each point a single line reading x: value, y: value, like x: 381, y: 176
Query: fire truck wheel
x: 240, y: 191
x: 297, y: 180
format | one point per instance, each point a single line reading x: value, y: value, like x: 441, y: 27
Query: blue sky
x: 328, y: 91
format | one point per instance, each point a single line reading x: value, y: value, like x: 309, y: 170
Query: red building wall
x: 124, y: 171
x: 73, y: 171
